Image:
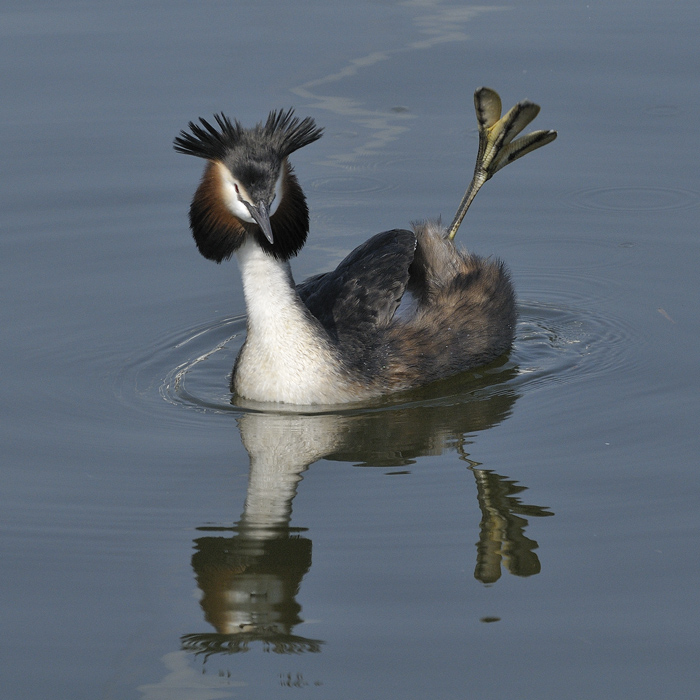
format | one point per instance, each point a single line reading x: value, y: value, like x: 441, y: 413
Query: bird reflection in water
x: 250, y: 576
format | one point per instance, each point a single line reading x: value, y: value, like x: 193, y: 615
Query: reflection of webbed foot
x: 496, y: 145
x: 502, y: 538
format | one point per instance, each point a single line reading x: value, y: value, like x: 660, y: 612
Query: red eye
x: 236, y: 186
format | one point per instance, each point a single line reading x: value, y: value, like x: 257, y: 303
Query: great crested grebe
x: 404, y: 309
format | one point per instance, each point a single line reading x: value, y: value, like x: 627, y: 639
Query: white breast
x: 286, y: 356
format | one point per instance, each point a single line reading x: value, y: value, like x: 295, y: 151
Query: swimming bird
x: 405, y: 308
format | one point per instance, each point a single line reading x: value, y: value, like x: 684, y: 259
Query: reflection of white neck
x: 268, y: 504
x: 285, y: 357
x: 281, y: 447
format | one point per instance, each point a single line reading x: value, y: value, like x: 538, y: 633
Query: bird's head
x: 248, y: 187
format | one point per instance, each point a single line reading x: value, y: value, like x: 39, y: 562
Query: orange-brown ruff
x: 403, y: 309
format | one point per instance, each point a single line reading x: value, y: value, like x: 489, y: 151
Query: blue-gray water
x: 528, y: 532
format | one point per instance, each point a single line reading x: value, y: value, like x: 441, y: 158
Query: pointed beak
x: 261, y: 216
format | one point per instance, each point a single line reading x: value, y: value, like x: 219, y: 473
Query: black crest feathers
x: 282, y: 133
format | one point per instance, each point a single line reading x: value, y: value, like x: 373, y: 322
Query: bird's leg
x: 496, y: 145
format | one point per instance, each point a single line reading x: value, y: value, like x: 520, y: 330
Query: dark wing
x: 365, y: 290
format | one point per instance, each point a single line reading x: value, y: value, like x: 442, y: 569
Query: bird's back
x: 463, y: 315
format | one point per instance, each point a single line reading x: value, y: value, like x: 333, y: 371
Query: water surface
x: 525, y: 530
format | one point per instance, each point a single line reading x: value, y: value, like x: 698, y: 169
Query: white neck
x: 286, y: 357
x: 269, y: 291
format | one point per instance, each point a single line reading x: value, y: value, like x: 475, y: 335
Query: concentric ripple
x: 190, y: 369
x: 555, y: 344
x: 558, y: 345
x: 642, y: 199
